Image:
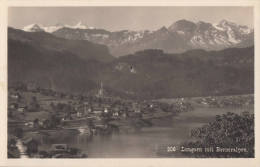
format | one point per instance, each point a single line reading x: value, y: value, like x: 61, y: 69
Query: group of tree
x: 51, y: 122
x: 227, y: 131
x: 62, y: 107
x: 34, y: 105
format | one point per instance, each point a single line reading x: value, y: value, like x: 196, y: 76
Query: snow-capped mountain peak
x: 225, y: 25
x: 33, y: 28
x: 51, y: 29
x: 180, y: 36
x: 38, y: 27
x: 79, y: 25
x: 216, y: 25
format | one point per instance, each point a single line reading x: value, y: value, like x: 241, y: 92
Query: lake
x: 145, y: 143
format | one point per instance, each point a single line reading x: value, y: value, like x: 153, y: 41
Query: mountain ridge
x: 84, y: 49
x: 74, y: 66
x: 179, y: 37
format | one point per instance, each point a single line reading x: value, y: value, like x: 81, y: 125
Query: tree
x: 46, y: 124
x: 52, y: 105
x: 90, y: 123
x: 34, y: 105
x: 11, y: 143
x: 228, y: 130
x: 36, y: 123
x: 18, y: 132
x: 10, y: 114
x: 54, y: 121
x: 32, y: 146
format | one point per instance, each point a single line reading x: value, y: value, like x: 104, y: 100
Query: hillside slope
x: 56, y: 63
x: 179, y: 37
x: 64, y: 65
x: 155, y: 74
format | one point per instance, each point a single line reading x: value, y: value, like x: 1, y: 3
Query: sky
x: 121, y: 18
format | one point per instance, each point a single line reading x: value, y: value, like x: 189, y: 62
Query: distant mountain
x: 38, y: 27
x: 78, y: 66
x: 51, y: 62
x: 181, y: 36
x: 34, y: 28
x: 84, y: 49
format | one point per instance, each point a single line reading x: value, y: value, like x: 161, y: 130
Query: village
x: 36, y: 115
x: 33, y: 111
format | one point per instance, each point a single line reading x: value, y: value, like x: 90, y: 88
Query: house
x: 79, y: 114
x: 29, y: 124
x: 22, y: 108
x: 115, y: 114
x: 89, y: 110
x: 98, y: 110
x: 137, y: 110
x: 13, y: 105
x: 105, y: 110
x: 15, y: 95
x: 100, y: 125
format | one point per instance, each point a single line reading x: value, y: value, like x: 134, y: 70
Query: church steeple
x: 100, y: 91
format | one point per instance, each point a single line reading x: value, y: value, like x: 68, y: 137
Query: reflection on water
x: 144, y: 143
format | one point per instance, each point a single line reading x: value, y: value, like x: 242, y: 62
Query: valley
x: 107, y: 127
x: 78, y: 92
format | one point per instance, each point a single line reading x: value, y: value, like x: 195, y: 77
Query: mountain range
x: 181, y: 36
x: 78, y: 66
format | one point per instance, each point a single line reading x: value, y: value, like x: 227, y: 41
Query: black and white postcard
x: 154, y: 82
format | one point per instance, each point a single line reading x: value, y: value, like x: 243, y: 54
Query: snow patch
x: 231, y: 36
x: 33, y: 28
x: 51, y: 29
x: 79, y: 25
x: 100, y: 35
x: 245, y: 30
x: 215, y: 25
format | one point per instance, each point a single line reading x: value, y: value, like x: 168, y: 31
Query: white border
x: 129, y: 162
